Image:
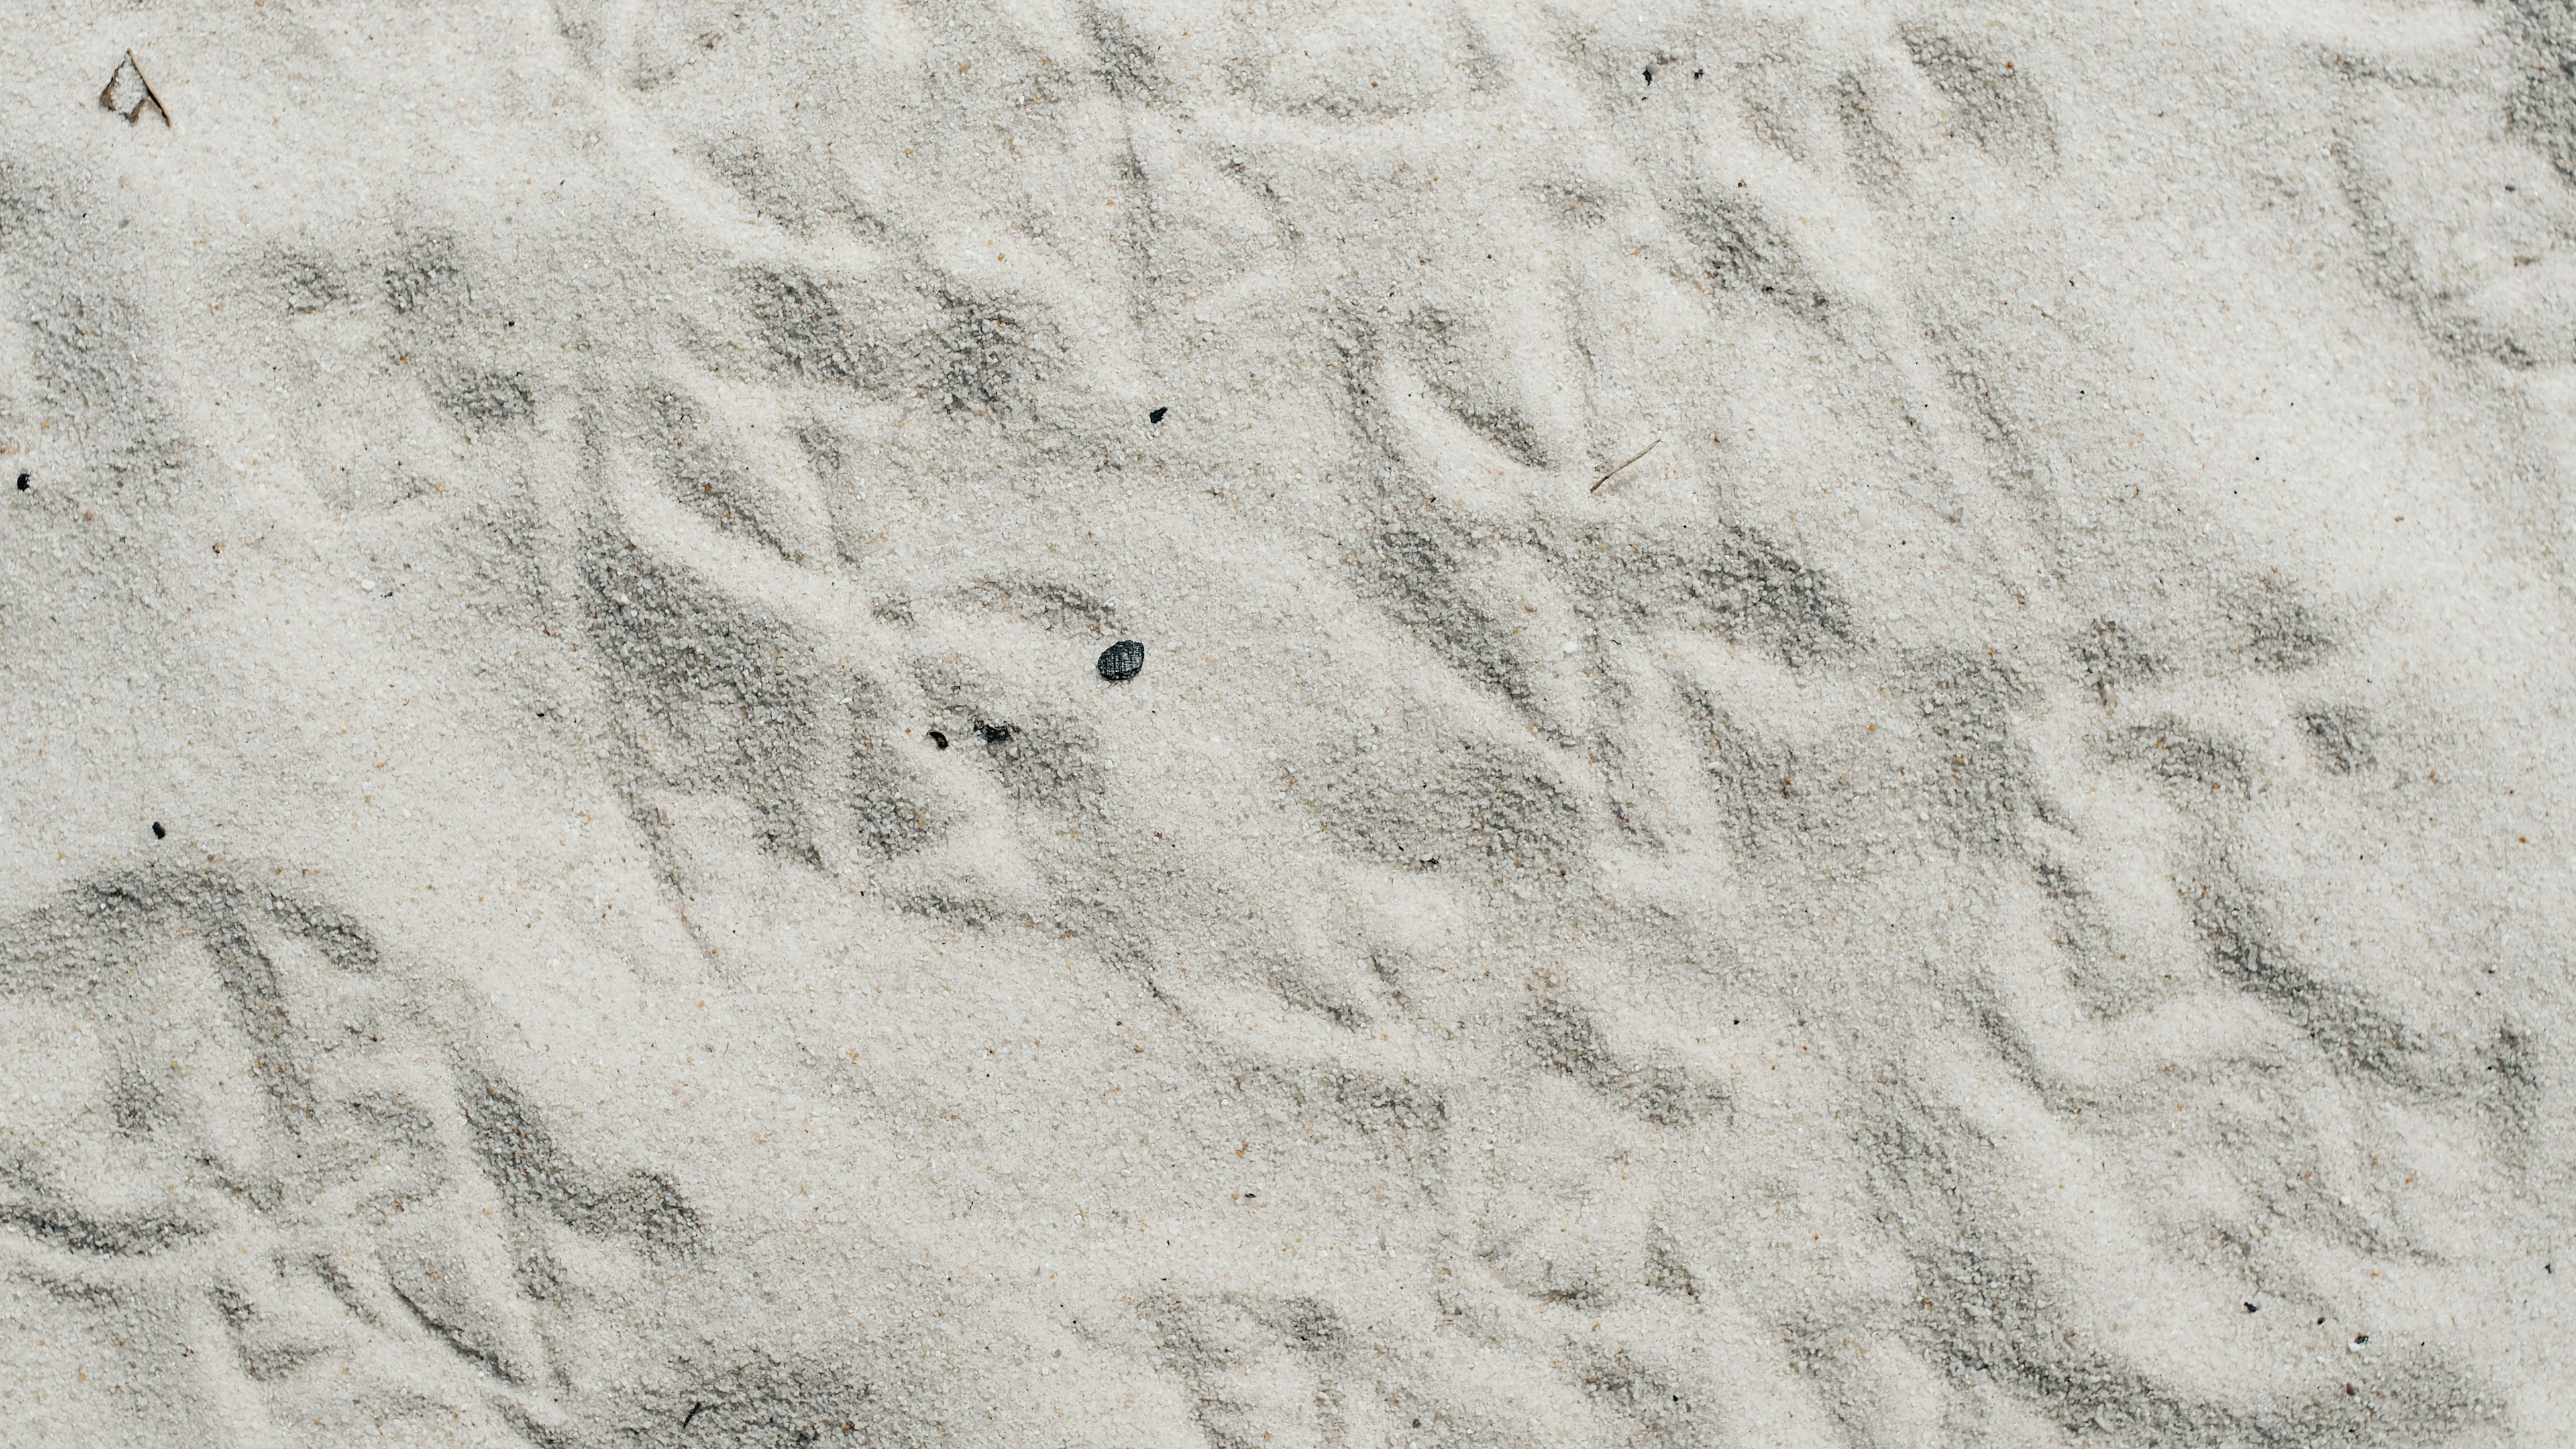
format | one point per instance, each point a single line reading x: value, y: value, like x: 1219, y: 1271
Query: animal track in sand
x: 1790, y: 937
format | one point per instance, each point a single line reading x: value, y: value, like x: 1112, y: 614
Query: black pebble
x: 1650, y: 75
x: 995, y: 734
x: 2249, y: 1307
x: 939, y: 739
x: 1122, y: 660
x: 157, y: 832
x: 1156, y: 415
x: 22, y: 482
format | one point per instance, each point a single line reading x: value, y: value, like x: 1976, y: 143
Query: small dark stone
x: 1122, y: 660
x: 1156, y: 415
x: 157, y: 832
x: 2249, y: 1308
x: 939, y: 739
x: 1650, y: 75
x: 22, y: 482
x: 995, y: 734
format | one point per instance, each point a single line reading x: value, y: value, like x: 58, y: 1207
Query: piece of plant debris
x: 129, y: 94
x: 1615, y: 472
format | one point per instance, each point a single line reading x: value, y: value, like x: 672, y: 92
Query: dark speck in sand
x: 1122, y: 660
x: 1156, y: 415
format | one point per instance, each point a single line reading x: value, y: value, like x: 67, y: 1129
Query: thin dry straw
x: 1615, y: 472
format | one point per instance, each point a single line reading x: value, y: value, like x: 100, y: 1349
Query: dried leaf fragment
x: 129, y: 94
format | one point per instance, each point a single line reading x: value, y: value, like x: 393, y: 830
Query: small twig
x: 1615, y: 472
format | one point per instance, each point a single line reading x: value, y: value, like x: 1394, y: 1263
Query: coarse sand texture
x: 1143, y: 725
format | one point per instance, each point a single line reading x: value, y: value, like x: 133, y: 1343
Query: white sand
x: 2008, y: 883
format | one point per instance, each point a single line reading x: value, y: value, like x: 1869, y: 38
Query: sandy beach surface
x: 1854, y: 724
